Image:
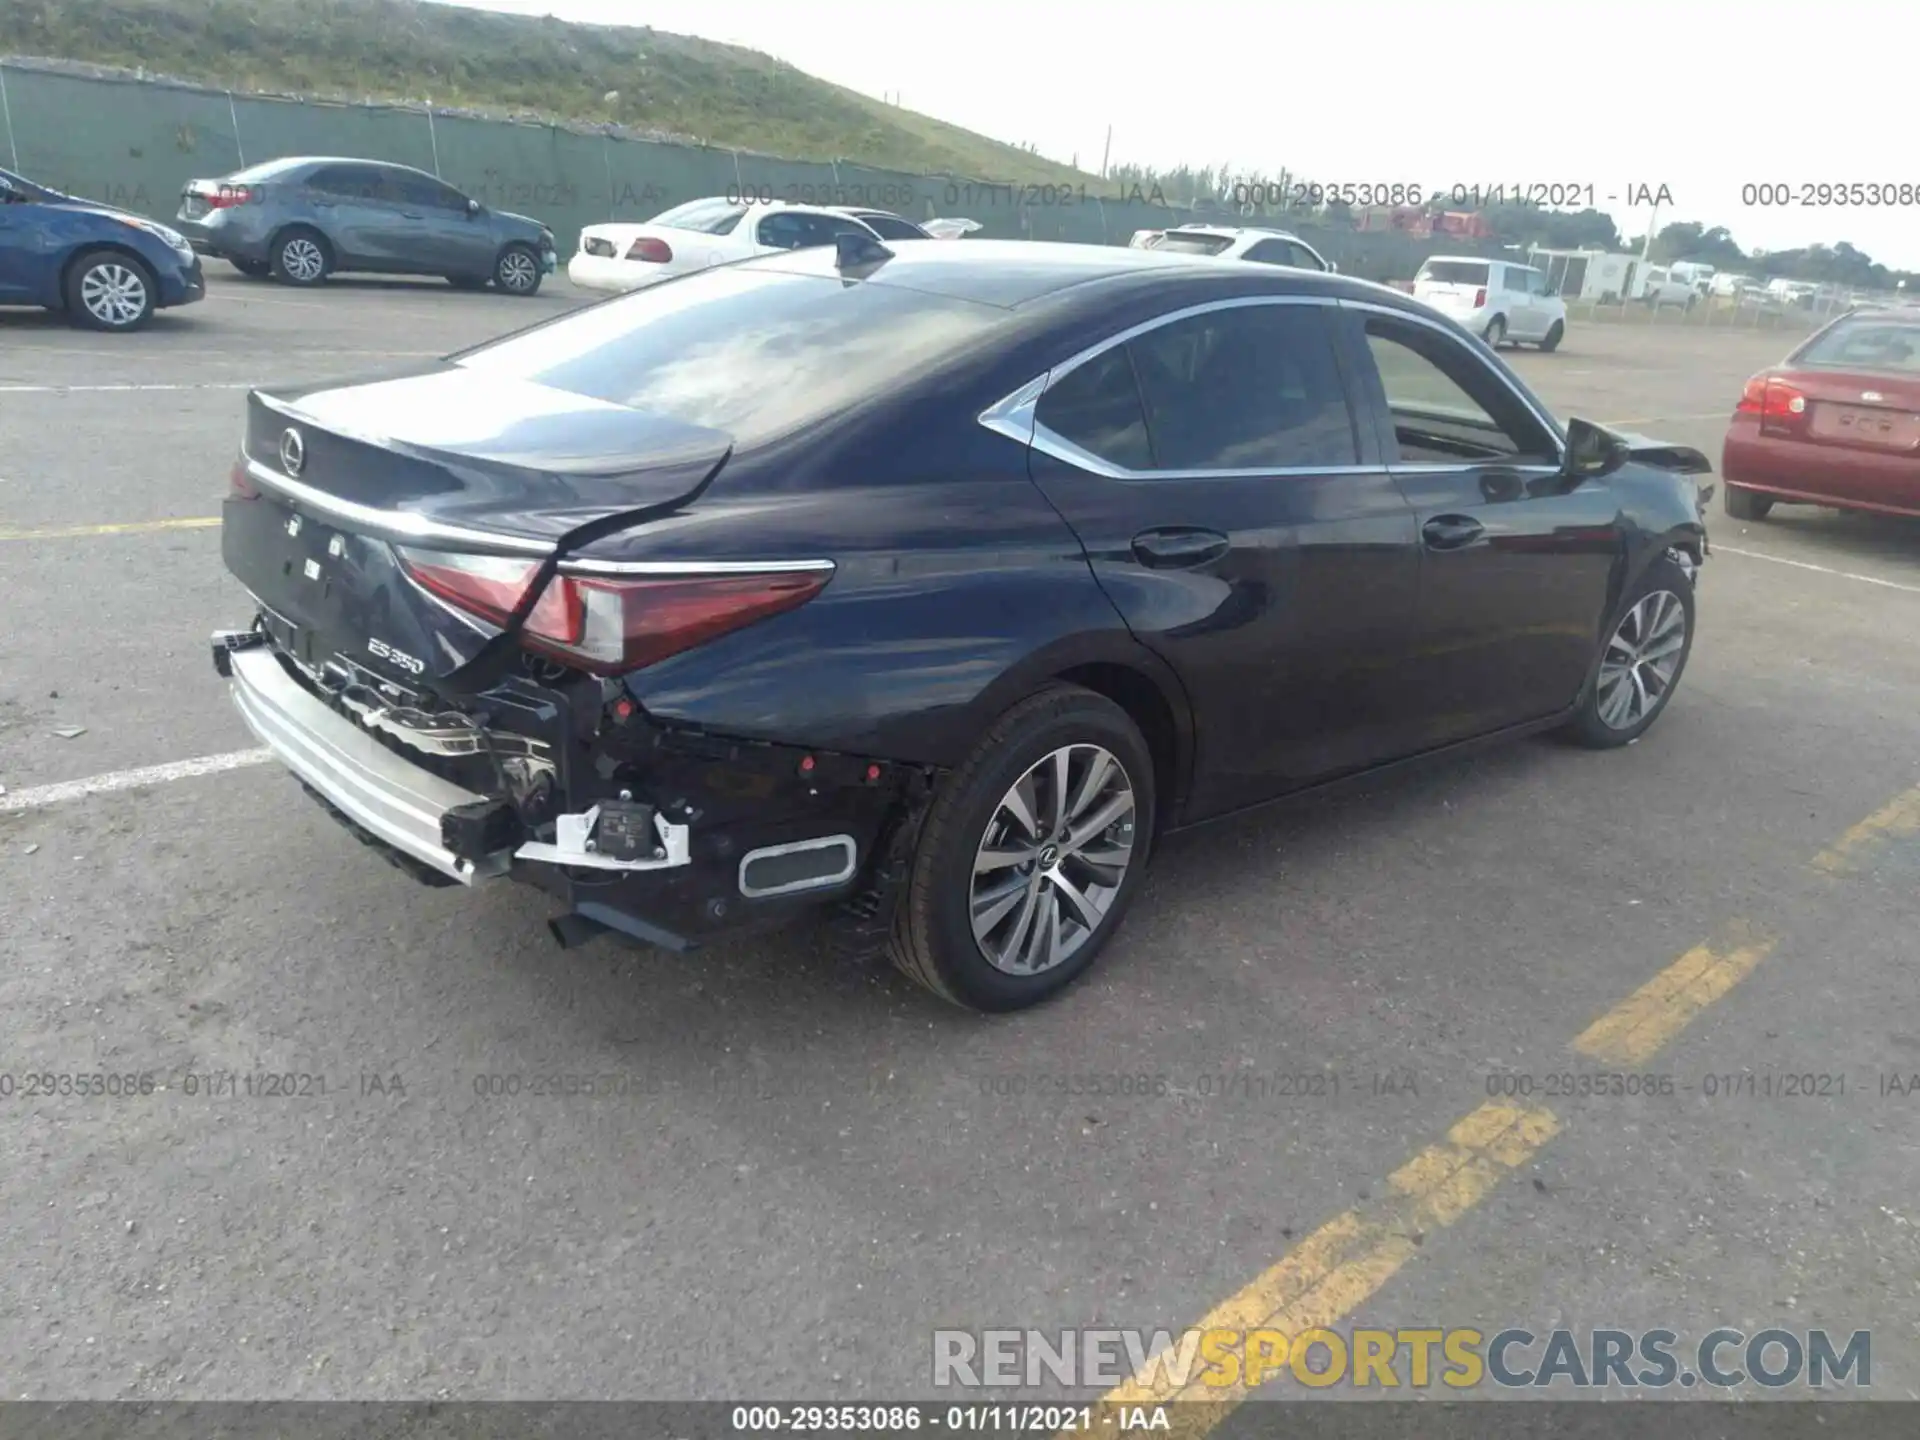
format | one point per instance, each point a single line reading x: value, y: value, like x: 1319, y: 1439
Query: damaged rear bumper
x: 656, y: 841
x: 424, y: 817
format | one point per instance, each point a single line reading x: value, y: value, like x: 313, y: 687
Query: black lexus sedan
x: 938, y: 584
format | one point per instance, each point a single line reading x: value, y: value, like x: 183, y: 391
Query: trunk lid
x: 1860, y: 409
x: 446, y: 459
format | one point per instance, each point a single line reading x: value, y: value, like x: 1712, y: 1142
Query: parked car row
x: 621, y: 256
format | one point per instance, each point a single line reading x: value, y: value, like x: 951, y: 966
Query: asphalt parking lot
x: 814, y: 1165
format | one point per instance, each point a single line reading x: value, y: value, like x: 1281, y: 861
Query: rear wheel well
x: 1134, y: 693
x: 105, y: 247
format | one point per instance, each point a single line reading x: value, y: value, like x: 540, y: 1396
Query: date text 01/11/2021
x: 1009, y: 1418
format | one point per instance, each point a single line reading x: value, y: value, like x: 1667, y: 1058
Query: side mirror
x: 1592, y: 451
x: 1333, y: 267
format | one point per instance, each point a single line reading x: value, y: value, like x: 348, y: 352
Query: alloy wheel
x: 114, y: 294
x: 517, y: 272
x: 302, y: 259
x: 1641, y: 660
x: 1053, y: 860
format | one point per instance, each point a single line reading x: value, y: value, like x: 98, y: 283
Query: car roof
x: 1011, y: 273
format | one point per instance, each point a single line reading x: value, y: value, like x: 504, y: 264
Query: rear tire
x: 1496, y: 333
x: 517, y: 271
x: 1743, y: 504
x: 109, y: 290
x: 1640, y: 662
x: 1553, y: 339
x: 1036, y: 918
x: 301, y: 256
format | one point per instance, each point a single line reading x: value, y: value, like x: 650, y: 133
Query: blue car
x: 107, y: 269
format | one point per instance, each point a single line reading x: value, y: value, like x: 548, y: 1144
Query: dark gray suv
x: 301, y: 220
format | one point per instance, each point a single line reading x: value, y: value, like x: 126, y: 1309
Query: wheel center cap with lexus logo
x: 293, y: 452
x: 1049, y: 856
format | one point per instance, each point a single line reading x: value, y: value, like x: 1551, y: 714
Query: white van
x: 1499, y: 300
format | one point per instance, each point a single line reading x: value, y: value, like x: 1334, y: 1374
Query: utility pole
x: 1106, y: 154
x: 1646, y: 245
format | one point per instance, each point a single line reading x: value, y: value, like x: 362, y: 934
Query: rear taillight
x: 657, y: 252
x: 239, y: 484
x: 228, y: 196
x: 1772, y: 399
x: 609, y: 625
x: 1480, y: 297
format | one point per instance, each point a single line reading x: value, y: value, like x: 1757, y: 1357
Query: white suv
x: 1263, y: 247
x: 1497, y: 300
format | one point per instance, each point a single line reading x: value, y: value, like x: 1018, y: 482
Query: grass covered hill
x: 406, y: 50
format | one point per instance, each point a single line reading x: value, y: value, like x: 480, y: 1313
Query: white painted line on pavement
x: 1719, y: 414
x: 1719, y: 549
x: 39, y: 797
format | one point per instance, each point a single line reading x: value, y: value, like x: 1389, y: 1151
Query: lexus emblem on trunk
x: 293, y: 452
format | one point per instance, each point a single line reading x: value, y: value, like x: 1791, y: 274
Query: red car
x: 1836, y: 423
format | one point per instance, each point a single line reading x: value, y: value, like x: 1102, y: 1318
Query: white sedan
x: 620, y: 257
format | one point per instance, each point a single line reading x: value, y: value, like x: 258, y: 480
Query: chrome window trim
x: 402, y: 525
x: 694, y: 567
x: 1015, y: 415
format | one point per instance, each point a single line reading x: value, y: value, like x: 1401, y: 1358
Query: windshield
x: 25, y: 189
x: 1865, y: 344
x: 751, y: 352
x: 1454, y: 272
x: 1184, y: 244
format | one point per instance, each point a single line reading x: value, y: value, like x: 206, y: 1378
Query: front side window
x: 1447, y: 405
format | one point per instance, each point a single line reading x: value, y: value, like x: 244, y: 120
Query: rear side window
x: 751, y: 352
x: 1454, y: 272
x: 1519, y: 280
x: 1097, y: 407
x: 1864, y: 344
x: 892, y: 227
x: 353, y: 182
x: 1253, y: 387
x: 708, y: 217
x: 1181, y: 244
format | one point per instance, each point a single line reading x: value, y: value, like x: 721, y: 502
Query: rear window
x: 1864, y: 344
x: 1454, y: 272
x: 266, y: 170
x: 1181, y: 244
x: 752, y: 352
x: 708, y: 217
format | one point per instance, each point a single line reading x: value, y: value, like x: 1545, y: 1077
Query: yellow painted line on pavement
x: 1333, y: 1271
x: 1898, y: 818
x: 1641, y: 1024
x: 137, y: 527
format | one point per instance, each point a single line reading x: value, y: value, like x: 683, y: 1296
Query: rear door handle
x: 1450, y: 532
x: 1179, y: 549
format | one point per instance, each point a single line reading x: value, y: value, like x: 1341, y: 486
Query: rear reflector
x: 647, y: 248
x: 609, y: 625
x: 1480, y: 297
x: 239, y: 483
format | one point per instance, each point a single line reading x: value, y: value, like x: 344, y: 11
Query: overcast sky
x: 1703, y: 98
